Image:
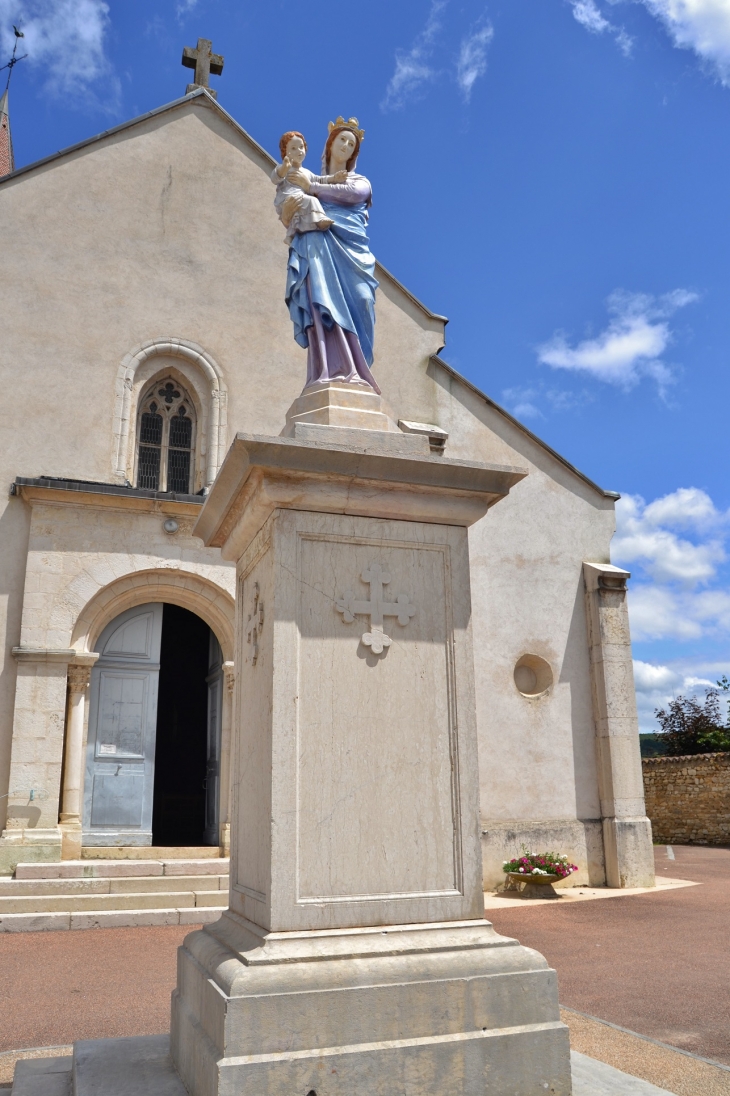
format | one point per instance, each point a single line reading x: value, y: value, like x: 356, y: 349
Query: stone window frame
x: 190, y: 365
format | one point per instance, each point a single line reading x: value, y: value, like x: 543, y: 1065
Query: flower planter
x: 536, y: 886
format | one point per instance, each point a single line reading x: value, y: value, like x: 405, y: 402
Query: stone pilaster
x: 626, y: 829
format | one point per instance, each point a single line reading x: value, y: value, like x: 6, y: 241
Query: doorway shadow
x: 178, y: 814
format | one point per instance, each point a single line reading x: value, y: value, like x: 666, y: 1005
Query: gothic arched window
x: 166, y: 438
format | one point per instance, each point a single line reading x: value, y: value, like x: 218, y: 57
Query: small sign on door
x: 107, y: 748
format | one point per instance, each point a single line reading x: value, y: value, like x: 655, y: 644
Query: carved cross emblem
x: 377, y: 609
x: 255, y: 623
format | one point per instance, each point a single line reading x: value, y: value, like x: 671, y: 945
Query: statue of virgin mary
x: 330, y: 288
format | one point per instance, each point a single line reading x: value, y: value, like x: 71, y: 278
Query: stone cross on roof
x: 205, y: 62
x: 376, y: 608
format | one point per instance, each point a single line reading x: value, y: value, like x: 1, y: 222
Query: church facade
x: 143, y: 326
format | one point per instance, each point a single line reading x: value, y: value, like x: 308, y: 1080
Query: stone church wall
x: 688, y: 798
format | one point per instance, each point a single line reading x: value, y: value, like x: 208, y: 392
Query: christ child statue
x: 299, y: 212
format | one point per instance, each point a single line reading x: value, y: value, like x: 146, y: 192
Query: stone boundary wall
x: 688, y: 798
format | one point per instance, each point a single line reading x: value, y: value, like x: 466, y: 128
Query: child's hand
x: 283, y: 167
x: 341, y: 176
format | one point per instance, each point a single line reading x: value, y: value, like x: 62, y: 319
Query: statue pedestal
x: 354, y: 957
x: 339, y: 404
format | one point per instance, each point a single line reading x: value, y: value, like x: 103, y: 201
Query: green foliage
x: 652, y: 745
x: 690, y: 727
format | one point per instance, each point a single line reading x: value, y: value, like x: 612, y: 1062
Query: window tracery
x: 166, y: 438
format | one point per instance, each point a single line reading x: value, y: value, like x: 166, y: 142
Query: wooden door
x: 120, y: 753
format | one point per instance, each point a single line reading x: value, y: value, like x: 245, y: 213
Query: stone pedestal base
x: 629, y: 852
x: 448, y: 1008
x: 71, y: 840
x: 336, y: 404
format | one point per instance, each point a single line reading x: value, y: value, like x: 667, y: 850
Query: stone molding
x: 44, y: 654
x: 78, y: 678
x: 342, y: 479
x: 204, y: 376
x: 185, y: 588
x: 229, y: 670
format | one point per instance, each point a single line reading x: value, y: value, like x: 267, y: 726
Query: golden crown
x: 351, y: 123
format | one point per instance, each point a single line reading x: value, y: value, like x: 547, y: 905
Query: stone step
x: 78, y: 903
x: 108, y: 919
x: 98, y: 869
x: 150, y: 852
x: 42, y: 1077
x: 157, y: 884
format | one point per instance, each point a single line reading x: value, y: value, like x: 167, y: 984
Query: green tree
x: 691, y: 727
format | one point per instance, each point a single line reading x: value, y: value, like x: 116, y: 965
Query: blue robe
x: 339, y: 266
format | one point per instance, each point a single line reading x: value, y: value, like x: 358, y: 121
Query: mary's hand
x: 299, y: 178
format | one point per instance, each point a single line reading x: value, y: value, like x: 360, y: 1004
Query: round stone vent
x: 533, y: 675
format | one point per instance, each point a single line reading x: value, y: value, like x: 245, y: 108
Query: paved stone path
x: 655, y: 963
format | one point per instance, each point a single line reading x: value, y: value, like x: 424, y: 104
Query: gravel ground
x: 56, y: 987
x: 655, y: 963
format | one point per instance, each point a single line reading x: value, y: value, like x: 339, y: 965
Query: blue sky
x: 550, y: 174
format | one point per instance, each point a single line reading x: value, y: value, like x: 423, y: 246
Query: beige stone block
x: 629, y: 852
x: 338, y: 405
x: 76, y: 903
x: 201, y: 915
x: 195, y: 867
x: 119, y: 919
x: 161, y: 884
x: 34, y: 922
x: 621, y: 762
x: 211, y: 898
x: 19, y: 887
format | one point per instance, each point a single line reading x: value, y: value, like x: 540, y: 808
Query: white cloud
x: 528, y: 403
x: 413, y: 66
x: 666, y: 557
x: 522, y: 402
x: 589, y: 15
x: 686, y: 507
x: 67, y: 39
x: 699, y: 25
x: 657, y: 685
x: 645, y: 533
x: 679, y: 592
x: 630, y: 347
x: 472, y: 62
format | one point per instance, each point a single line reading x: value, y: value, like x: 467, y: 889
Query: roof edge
x: 615, y: 495
x: 126, y: 125
x: 411, y: 296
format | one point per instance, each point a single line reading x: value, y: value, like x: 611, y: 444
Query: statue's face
x: 295, y: 150
x: 343, y: 146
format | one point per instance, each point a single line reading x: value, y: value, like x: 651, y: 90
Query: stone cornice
x: 67, y: 655
x: 104, y: 497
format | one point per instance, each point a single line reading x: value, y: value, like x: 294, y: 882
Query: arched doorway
x: 153, y: 747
